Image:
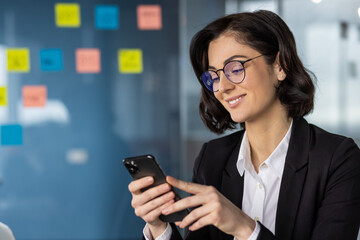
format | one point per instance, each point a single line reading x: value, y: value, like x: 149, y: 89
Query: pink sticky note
x: 88, y: 60
x: 149, y: 17
x: 34, y: 96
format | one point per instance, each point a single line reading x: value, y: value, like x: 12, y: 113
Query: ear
x: 278, y: 70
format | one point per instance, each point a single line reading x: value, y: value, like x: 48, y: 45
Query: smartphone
x: 145, y: 166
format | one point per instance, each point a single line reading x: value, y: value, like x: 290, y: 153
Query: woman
x: 280, y: 178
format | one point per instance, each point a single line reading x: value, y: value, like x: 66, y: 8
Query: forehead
x: 226, y: 46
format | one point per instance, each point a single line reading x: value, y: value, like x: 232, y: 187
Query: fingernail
x: 165, y: 211
x: 149, y: 179
x: 165, y: 187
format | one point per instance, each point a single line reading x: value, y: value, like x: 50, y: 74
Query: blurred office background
x: 61, y: 177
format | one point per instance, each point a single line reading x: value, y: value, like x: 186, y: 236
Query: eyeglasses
x: 233, y: 70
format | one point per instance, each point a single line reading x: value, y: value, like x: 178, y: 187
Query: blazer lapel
x: 292, y: 183
x: 232, y: 183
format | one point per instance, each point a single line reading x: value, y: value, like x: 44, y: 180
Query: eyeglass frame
x: 222, y: 69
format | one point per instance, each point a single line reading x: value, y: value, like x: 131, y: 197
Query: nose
x: 224, y: 83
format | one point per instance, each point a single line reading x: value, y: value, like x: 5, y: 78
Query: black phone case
x: 144, y: 166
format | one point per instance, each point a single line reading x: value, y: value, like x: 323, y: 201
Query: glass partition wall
x: 84, y: 84
x: 119, y: 83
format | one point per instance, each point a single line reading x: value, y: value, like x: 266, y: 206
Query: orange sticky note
x: 149, y: 17
x: 34, y: 96
x: 88, y: 60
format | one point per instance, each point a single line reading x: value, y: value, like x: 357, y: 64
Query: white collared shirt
x: 261, y: 190
x: 164, y: 236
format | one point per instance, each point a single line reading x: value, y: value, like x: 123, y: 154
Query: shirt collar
x: 275, y: 161
x: 244, y: 154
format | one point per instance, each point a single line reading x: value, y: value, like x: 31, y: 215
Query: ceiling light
x: 316, y: 1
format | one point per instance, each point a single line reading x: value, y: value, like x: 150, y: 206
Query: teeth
x: 234, y: 101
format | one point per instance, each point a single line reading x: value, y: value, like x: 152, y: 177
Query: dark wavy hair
x: 267, y: 33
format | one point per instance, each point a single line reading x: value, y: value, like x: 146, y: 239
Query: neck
x: 265, y: 134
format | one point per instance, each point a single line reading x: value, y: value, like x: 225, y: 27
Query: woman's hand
x: 212, y: 209
x: 149, y: 204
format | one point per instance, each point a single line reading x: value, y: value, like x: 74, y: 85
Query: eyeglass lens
x: 234, y: 72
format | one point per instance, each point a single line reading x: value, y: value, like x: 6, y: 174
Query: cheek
x: 217, y: 96
x: 261, y: 90
x: 264, y: 94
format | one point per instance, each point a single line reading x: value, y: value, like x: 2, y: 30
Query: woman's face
x: 253, y: 98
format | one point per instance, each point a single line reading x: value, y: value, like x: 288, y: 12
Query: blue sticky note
x: 51, y: 59
x: 106, y: 17
x: 11, y: 134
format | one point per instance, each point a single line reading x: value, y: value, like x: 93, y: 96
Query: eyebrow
x: 230, y: 59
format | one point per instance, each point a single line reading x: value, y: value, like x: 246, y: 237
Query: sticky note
x: 106, y: 17
x: 34, y: 96
x: 18, y: 59
x: 88, y: 60
x: 67, y: 15
x: 130, y: 60
x: 11, y: 134
x: 3, y: 96
x: 51, y: 59
x: 149, y: 17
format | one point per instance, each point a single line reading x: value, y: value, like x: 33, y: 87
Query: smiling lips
x: 234, y: 101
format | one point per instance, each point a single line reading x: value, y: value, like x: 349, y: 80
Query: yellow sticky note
x: 3, y: 96
x: 67, y: 15
x: 130, y: 60
x: 18, y: 59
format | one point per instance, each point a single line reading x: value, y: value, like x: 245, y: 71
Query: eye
x: 213, y: 76
x: 216, y: 79
x: 237, y: 71
x: 233, y: 68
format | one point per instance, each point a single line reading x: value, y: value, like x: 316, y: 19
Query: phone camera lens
x: 132, y: 167
x: 133, y: 170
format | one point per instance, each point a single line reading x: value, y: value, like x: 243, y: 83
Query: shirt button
x: 260, y: 186
x: 256, y: 218
x: 264, y: 165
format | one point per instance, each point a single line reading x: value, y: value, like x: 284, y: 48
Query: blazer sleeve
x: 338, y: 215
x: 265, y: 234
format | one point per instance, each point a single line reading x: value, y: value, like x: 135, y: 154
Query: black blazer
x: 320, y: 189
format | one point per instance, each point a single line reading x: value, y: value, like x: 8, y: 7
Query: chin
x: 238, y: 117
